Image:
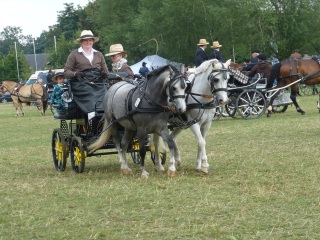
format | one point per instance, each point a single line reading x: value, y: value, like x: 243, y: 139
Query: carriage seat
x: 66, y: 115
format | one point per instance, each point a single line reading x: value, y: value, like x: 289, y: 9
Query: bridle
x: 212, y: 78
x: 171, y: 88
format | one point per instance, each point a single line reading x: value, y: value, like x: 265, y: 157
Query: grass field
x: 264, y: 184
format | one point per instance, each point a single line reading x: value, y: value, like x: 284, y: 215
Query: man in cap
x: 201, y: 55
x: 253, y: 61
x: 144, y: 70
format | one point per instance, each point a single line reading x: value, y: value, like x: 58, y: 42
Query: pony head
x: 217, y: 74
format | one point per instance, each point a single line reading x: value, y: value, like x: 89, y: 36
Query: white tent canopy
x: 153, y: 62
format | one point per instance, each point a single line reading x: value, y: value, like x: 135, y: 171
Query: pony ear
x: 228, y: 62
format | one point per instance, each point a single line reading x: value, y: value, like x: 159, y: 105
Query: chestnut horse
x: 291, y: 72
x: 24, y: 94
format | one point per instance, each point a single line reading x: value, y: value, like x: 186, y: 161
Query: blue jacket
x: 143, y: 71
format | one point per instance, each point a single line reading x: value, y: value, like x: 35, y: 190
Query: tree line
x: 172, y: 29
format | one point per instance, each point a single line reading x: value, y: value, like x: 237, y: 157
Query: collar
x: 80, y: 50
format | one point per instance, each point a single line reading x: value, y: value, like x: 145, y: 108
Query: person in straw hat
x: 119, y: 61
x: 56, y: 96
x: 85, y: 57
x: 201, y: 55
x: 216, y: 54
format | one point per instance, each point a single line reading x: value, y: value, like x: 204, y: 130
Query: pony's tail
x: 104, y: 137
x: 274, y: 74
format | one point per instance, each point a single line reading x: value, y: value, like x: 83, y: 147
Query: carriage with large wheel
x: 251, y: 100
x: 84, y: 124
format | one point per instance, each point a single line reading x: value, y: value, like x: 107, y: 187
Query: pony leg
x: 177, y: 157
x: 124, y: 168
x: 294, y: 100
x: 154, y: 142
x: 142, y: 144
x: 202, y: 159
x: 172, y: 146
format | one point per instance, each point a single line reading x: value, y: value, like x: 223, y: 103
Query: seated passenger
x: 262, y: 67
x: 56, y: 97
x: 119, y: 61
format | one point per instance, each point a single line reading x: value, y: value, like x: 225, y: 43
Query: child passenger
x: 56, y: 97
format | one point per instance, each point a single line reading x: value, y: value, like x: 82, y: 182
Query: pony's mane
x: 159, y: 70
x: 204, y: 66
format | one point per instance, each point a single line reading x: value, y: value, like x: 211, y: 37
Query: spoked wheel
x: 279, y: 109
x: 305, y: 89
x: 136, y: 158
x: 251, y: 104
x: 163, y: 157
x: 77, y: 155
x: 59, y: 150
x: 231, y: 106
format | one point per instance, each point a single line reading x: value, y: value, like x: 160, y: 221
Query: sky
x: 33, y: 16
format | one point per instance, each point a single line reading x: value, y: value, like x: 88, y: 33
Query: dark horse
x: 142, y: 110
x: 291, y: 72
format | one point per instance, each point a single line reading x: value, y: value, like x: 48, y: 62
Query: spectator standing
x: 201, y: 55
x: 216, y: 54
x: 119, y: 61
x: 296, y: 54
x: 144, y: 70
x: 85, y: 57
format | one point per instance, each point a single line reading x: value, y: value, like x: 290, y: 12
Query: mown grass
x: 263, y: 184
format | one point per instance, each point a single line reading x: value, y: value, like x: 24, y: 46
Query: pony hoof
x: 145, y: 175
x: 171, y: 173
x: 127, y: 171
x: 205, y: 170
x: 160, y: 169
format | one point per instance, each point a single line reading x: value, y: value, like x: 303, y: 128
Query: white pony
x: 208, y: 88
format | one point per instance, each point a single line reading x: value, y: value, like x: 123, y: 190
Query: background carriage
x: 251, y: 100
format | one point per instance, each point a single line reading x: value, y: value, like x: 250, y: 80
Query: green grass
x: 263, y: 184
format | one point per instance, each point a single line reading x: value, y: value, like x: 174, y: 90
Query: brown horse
x: 24, y: 94
x: 291, y: 72
x: 236, y: 66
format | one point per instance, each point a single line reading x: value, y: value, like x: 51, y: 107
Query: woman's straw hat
x: 56, y: 75
x: 216, y: 44
x: 85, y: 34
x: 116, y: 49
x: 202, y: 42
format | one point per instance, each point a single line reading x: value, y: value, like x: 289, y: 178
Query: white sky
x: 33, y: 16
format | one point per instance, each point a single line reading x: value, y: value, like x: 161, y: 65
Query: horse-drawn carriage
x: 141, y: 110
x: 82, y: 127
x: 251, y: 100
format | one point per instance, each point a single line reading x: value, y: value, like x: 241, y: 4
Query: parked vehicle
x: 6, y: 97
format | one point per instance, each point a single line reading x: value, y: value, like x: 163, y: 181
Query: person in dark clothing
x: 253, y: 61
x: 201, y: 55
x: 262, y: 67
x: 144, y: 70
x: 216, y: 54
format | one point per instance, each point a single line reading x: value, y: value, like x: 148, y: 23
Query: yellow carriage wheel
x: 59, y: 150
